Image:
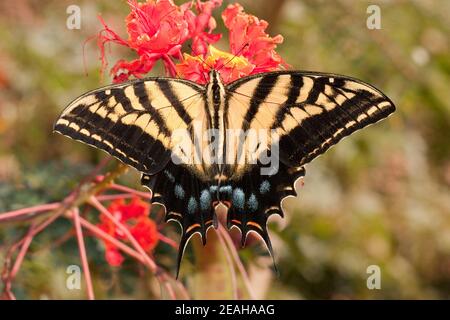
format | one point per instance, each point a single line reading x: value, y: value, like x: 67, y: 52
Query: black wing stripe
x: 101, y: 99
x: 311, y: 111
x: 351, y: 106
x: 121, y: 97
x: 113, y: 141
x: 337, y: 105
x: 296, y: 86
x: 294, y: 92
x: 260, y: 93
x: 168, y: 92
x: 317, y: 88
x: 312, y: 99
x: 141, y: 92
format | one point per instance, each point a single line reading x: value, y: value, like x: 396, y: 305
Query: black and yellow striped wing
x: 134, y: 121
x: 138, y: 122
x: 309, y: 111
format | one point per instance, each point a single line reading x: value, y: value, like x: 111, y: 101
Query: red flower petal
x: 155, y: 26
x: 134, y: 215
x: 249, y: 39
x: 229, y: 66
x: 197, y: 25
x: 192, y: 68
x: 146, y: 233
x: 156, y: 30
x: 114, y: 257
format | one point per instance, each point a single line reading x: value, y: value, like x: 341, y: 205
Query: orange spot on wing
x: 192, y: 227
x: 251, y: 223
x: 176, y: 214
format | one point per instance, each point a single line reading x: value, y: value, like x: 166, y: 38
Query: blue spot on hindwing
x: 238, y: 198
x: 179, y: 191
x: 169, y: 176
x: 264, y: 187
x: 205, y: 200
x: 252, y: 203
x: 192, y: 205
x: 226, y: 190
x: 213, y: 189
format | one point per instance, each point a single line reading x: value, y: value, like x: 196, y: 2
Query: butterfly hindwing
x: 186, y: 199
x: 254, y: 197
x: 304, y: 113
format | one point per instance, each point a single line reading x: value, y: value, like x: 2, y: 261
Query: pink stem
x: 25, y: 211
x: 170, y: 66
x: 83, y: 255
x: 109, y: 197
x: 141, y: 255
x: 8, y: 277
x: 40, y: 227
x: 120, y: 245
x: 182, y: 289
x: 170, y: 291
x: 93, y: 200
x: 169, y: 241
x: 24, y: 243
x: 230, y: 263
x: 119, y: 187
x: 106, y: 237
x: 23, y: 251
x: 237, y: 260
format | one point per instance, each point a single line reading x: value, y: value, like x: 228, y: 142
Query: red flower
x: 156, y: 30
x: 125, y: 211
x: 156, y: 27
x: 249, y: 39
x: 146, y: 233
x: 114, y: 257
x: 252, y: 51
x: 229, y: 66
x: 134, y: 215
x: 197, y: 25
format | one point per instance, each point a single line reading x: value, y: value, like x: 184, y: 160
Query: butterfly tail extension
x: 255, y: 197
x: 187, y: 200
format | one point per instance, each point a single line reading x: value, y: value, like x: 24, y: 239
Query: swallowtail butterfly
x: 304, y: 113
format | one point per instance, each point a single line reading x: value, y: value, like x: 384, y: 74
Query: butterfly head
x: 214, y: 76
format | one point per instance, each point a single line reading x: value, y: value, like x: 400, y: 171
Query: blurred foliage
x: 380, y: 198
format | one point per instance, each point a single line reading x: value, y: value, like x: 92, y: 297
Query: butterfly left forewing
x: 141, y: 123
x: 134, y: 121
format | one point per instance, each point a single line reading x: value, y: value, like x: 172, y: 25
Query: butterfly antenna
x: 201, y: 59
x: 234, y: 56
x: 204, y: 62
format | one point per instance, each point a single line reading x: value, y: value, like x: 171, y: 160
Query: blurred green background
x: 381, y: 197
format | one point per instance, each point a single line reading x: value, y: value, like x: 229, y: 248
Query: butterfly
x: 242, y: 144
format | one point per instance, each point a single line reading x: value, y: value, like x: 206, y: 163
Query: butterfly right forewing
x: 309, y: 112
